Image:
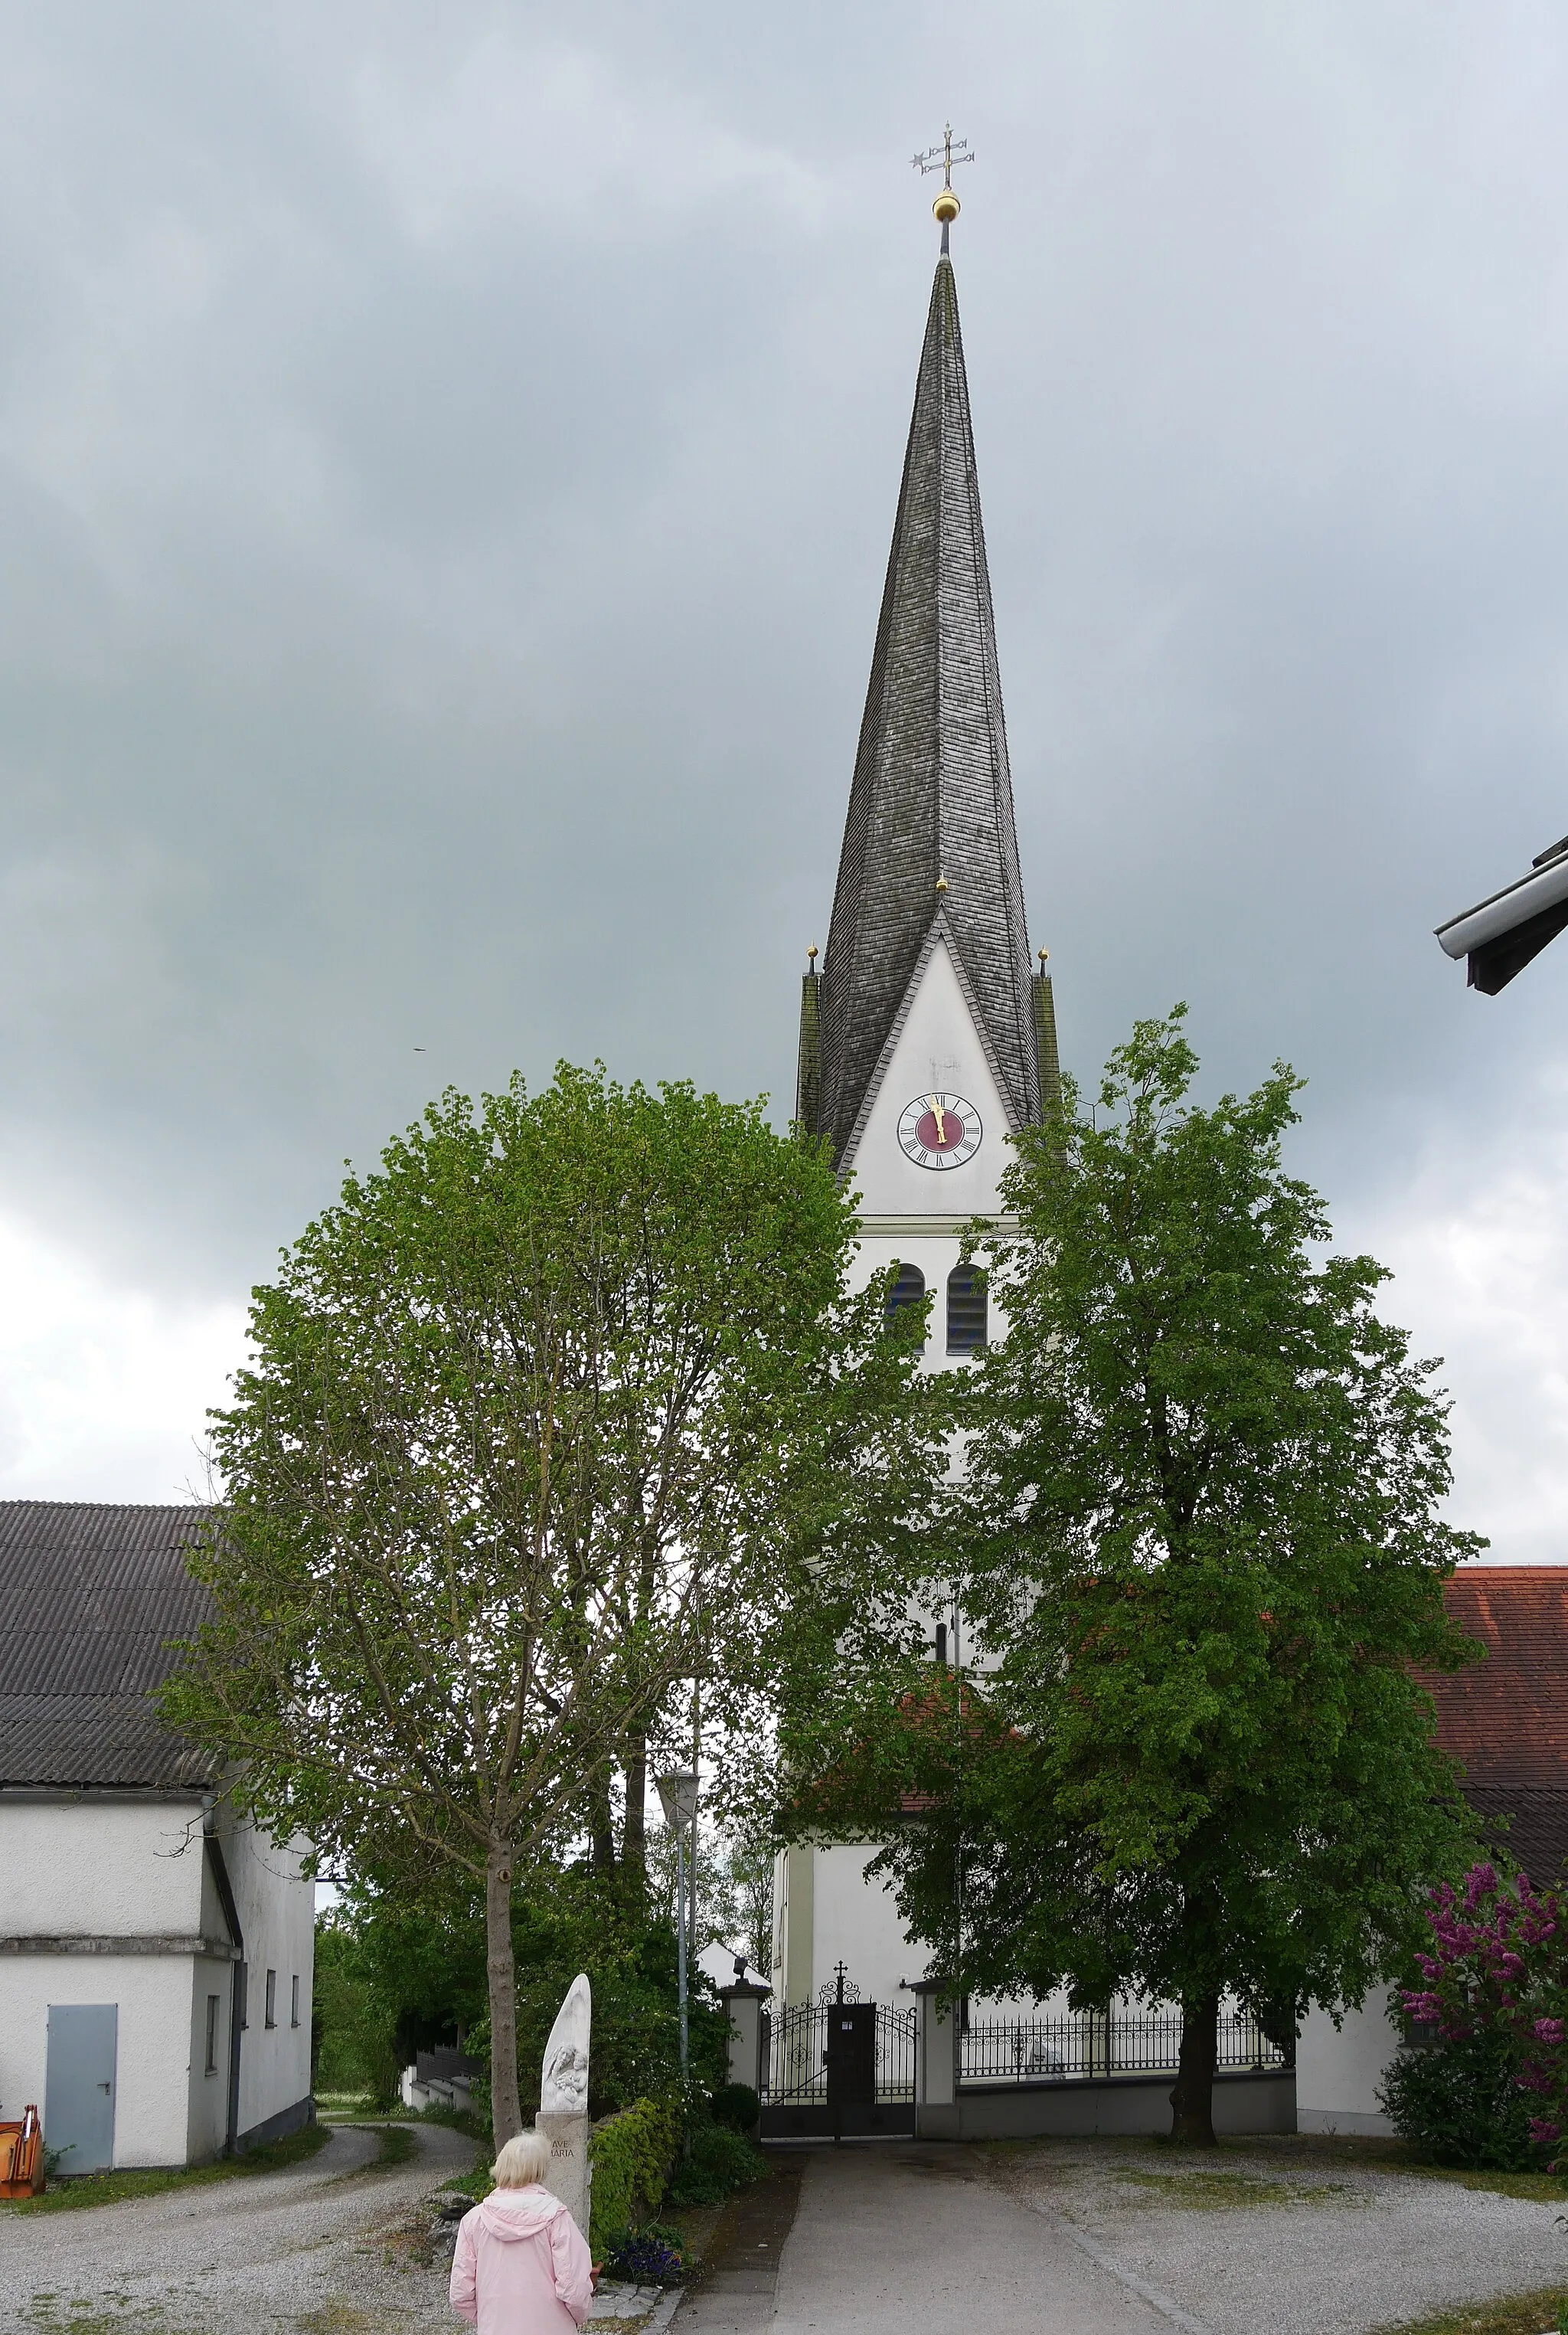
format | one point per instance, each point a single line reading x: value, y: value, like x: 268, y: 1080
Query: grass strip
x: 65, y: 2197
x: 1519, y: 2314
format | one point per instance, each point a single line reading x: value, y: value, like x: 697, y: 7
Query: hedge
x: 631, y: 2154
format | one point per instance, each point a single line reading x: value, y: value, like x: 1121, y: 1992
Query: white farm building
x: 155, y: 1952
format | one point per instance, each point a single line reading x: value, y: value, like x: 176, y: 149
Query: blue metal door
x: 79, y: 2101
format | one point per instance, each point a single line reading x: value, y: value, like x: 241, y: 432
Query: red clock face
x: 939, y: 1130
x: 939, y: 1134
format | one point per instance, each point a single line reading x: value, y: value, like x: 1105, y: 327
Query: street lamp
x: 679, y: 1793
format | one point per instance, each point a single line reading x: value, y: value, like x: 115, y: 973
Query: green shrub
x: 737, y: 2105
x: 1459, y: 2101
x: 631, y: 2154
x: 717, y: 2162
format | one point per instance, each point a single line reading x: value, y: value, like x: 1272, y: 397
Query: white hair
x: 521, y: 2161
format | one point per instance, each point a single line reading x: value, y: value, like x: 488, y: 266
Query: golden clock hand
x: 940, y: 1119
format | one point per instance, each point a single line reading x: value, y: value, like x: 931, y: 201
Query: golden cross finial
x: 944, y: 158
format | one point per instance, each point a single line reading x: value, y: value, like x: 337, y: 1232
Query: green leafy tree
x: 537, y: 1417
x: 1199, y: 1555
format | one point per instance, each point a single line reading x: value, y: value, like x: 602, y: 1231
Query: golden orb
x: 945, y: 206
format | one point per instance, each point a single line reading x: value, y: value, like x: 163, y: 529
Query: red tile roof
x: 1506, y: 1718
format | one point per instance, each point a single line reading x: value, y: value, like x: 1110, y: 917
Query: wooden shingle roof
x: 932, y: 795
x: 90, y: 1595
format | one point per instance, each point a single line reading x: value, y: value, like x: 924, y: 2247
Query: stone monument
x: 564, y: 2101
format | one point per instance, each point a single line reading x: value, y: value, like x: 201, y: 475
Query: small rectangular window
x: 272, y: 1998
x: 294, y: 2001
x: 212, y: 2034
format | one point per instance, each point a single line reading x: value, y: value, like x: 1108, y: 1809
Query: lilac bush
x: 1498, y: 1969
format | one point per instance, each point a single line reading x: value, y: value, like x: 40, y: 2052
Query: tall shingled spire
x: 929, y: 843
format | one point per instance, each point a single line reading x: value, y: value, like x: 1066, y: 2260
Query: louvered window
x: 909, y: 1289
x: 965, y: 1310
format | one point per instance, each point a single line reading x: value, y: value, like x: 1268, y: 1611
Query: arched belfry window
x: 909, y: 1289
x: 965, y: 1310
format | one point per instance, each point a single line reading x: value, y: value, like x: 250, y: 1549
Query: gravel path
x: 315, y: 2249
x: 1119, y: 2238
x: 1292, y: 2240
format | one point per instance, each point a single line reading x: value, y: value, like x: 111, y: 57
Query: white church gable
x: 938, y: 1050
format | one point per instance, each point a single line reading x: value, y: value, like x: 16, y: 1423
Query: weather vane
x: 944, y: 158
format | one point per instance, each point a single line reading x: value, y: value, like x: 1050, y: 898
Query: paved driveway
x: 296, y: 2250
x: 1104, y: 2238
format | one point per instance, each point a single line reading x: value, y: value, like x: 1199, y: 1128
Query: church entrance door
x: 851, y: 2055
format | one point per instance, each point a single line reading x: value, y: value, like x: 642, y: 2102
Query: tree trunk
x: 602, y: 1828
x: 635, y: 1831
x: 1193, y: 2099
x: 506, y: 2111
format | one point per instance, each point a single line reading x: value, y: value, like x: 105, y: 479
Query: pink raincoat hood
x: 518, y: 2213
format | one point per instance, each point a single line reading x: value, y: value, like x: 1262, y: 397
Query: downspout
x: 236, y: 1993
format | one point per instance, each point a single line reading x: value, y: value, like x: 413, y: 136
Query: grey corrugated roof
x: 932, y: 794
x: 89, y: 1595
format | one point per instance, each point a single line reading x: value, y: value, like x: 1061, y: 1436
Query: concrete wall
x: 1339, y: 2069
x: 276, y: 1912
x: 1244, y: 2103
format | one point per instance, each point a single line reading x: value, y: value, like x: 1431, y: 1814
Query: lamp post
x: 679, y: 1795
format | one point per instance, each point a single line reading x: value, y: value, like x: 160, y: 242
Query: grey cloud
x: 447, y: 460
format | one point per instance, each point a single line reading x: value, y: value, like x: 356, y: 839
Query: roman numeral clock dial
x: 939, y: 1130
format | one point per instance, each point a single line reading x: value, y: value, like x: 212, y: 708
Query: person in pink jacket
x: 521, y: 2266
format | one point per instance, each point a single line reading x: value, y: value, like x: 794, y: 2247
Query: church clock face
x: 939, y: 1130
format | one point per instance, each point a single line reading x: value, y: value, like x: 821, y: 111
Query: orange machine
x: 21, y: 2157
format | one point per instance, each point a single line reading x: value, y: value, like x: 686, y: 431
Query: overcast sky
x: 447, y: 462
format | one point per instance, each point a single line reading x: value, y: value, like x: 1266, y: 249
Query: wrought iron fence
x: 895, y: 2037
x: 1081, y: 2045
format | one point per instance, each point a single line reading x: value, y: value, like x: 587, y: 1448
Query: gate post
x: 743, y: 2001
x: 935, y: 2064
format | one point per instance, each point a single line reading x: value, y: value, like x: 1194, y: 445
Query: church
x: 928, y: 1039
x: 927, y: 1036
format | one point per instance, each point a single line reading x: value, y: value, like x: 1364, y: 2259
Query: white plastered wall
x: 152, y: 1995
x: 106, y: 1866
x: 276, y: 1909
x: 207, y: 2091
x: 1338, y: 2070
x: 103, y: 1868
x: 855, y: 1921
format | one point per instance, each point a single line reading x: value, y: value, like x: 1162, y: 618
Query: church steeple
x: 930, y: 848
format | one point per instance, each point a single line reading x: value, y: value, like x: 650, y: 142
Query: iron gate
x: 838, y: 2066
